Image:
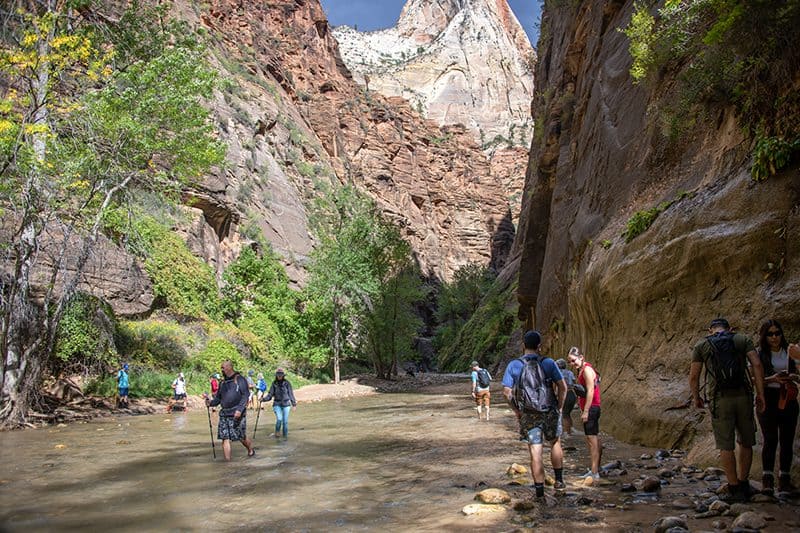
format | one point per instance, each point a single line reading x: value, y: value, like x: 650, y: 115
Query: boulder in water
x: 749, y: 520
x: 493, y: 496
x: 666, y: 523
x: 481, y: 509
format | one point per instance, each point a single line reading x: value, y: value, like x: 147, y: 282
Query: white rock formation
x: 457, y: 61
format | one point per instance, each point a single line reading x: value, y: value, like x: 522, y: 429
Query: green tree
x: 91, y: 108
x: 352, y: 270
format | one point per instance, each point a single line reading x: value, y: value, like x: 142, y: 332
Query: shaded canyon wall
x: 727, y: 246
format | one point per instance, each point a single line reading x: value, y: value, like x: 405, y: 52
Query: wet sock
x: 539, y: 489
x: 559, y: 474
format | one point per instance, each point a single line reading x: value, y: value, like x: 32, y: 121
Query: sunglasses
x: 774, y: 334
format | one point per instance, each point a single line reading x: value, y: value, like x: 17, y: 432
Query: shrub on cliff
x: 726, y: 52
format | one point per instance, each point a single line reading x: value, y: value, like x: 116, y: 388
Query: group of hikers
x: 233, y: 395
x: 740, y: 381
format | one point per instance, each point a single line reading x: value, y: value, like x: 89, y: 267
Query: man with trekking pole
x: 232, y: 396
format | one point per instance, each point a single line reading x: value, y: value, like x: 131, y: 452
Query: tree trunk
x: 337, y: 340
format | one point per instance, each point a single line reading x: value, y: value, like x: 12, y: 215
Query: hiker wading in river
x: 232, y: 396
x: 535, y: 389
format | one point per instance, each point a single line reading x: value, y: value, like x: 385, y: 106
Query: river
x: 388, y: 462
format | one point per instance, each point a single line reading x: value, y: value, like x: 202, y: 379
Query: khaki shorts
x: 483, y: 397
x: 732, y: 421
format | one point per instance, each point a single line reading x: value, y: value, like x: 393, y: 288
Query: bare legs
x: 226, y: 447
x: 595, y: 451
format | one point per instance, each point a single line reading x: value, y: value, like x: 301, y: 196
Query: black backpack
x: 484, y: 379
x: 726, y: 364
x: 533, y: 392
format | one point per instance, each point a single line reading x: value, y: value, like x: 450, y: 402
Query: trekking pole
x: 257, y: 417
x: 211, y: 432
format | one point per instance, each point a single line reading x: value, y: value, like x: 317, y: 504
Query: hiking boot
x: 733, y: 494
x: 559, y: 485
x: 785, y: 483
x: 768, y: 484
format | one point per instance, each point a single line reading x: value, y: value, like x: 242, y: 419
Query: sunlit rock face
x: 456, y: 61
x: 723, y: 245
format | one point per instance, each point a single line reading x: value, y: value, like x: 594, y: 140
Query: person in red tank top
x: 590, y: 408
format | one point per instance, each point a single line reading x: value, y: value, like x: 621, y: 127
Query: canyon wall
x: 725, y: 245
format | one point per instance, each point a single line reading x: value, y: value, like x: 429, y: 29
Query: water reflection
x: 397, y: 462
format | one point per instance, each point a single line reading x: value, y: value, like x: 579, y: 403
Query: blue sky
x: 371, y: 15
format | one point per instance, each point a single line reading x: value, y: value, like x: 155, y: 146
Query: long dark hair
x: 762, y: 336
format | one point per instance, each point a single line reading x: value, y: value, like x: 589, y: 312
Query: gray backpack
x: 533, y: 392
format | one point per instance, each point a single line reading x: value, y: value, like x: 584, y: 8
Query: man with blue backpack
x: 481, y: 380
x: 535, y: 389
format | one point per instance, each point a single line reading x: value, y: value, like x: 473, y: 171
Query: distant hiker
x: 281, y: 391
x: 589, y: 404
x: 481, y: 380
x: 123, y: 383
x: 779, y: 420
x: 214, y: 382
x: 261, y: 388
x: 179, y: 393
x: 232, y: 395
x: 571, y: 398
x: 724, y: 356
x: 535, y: 389
x: 251, y: 386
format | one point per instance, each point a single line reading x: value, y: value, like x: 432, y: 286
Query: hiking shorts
x: 483, y: 397
x: 541, y: 427
x: 732, y: 421
x: 592, y: 426
x: 227, y: 430
x: 123, y: 391
x: 179, y: 397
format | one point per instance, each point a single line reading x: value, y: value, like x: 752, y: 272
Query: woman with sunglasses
x: 779, y: 420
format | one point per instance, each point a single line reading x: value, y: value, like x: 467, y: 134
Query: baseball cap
x: 533, y: 339
x: 474, y: 364
x: 719, y: 323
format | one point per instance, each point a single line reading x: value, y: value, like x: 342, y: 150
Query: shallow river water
x: 389, y: 462
x: 384, y: 462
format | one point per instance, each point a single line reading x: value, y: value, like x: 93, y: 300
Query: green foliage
x: 81, y: 344
x: 738, y: 53
x: 184, y: 281
x: 458, y: 300
x: 606, y: 244
x: 641, y: 36
x: 484, y: 335
x: 359, y: 267
x: 156, y: 344
x: 215, y: 352
x: 146, y: 383
x: 771, y: 154
x: 641, y: 220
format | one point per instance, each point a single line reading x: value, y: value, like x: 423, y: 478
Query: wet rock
x: 738, y: 508
x: 516, y: 469
x: 549, y: 481
x: 645, y: 457
x: 611, y: 466
x: 664, y: 524
x: 677, y: 453
x: 481, y: 509
x: 719, y: 524
x: 749, y: 520
x: 524, y: 505
x: 682, y: 503
x: 701, y: 508
x: 493, y: 496
x: 707, y: 514
x: 583, y: 500
x: 713, y: 471
x: 651, y: 484
x: 762, y: 498
x: 662, y: 454
x: 677, y: 530
x: 665, y: 473
x: 616, y: 472
x: 719, y: 507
